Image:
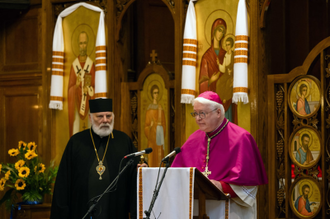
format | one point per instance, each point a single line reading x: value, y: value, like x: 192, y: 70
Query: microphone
x: 174, y: 152
x: 145, y: 151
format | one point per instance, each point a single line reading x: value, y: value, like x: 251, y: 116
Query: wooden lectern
x: 205, y: 190
x: 177, y: 193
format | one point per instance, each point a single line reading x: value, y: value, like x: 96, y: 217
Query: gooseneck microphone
x: 145, y: 151
x: 174, y: 152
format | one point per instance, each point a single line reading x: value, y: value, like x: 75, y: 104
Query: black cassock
x: 77, y: 180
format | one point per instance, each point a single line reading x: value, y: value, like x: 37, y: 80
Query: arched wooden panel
x: 299, y: 138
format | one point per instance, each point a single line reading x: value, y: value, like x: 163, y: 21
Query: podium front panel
x: 175, y: 198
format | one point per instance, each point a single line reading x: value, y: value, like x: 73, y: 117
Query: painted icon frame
x: 304, y: 97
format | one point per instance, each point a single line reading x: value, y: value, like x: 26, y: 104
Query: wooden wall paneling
x: 125, y: 118
x: 20, y: 82
x: 271, y: 171
x: 180, y: 109
x: 21, y: 115
x: 48, y: 121
x: 113, y: 65
x: 21, y: 120
x: 258, y: 94
x: 3, y: 149
x: 22, y: 42
x: 275, y: 37
x: 287, y: 162
x: 326, y: 132
x: 136, y: 87
x: 316, y: 55
x: 324, y: 185
x: 145, y: 39
x: 160, y: 30
x: 297, y: 25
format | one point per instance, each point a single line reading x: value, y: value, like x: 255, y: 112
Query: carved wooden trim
x: 280, y: 146
x: 264, y: 10
x: 134, y: 117
x: 60, y: 6
x: 283, y: 170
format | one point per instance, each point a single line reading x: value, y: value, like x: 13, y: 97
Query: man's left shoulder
x: 239, y: 131
x: 120, y: 134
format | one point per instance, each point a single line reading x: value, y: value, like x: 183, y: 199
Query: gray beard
x: 104, y: 129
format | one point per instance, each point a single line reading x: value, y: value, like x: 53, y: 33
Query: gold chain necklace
x: 206, y: 171
x: 100, y: 168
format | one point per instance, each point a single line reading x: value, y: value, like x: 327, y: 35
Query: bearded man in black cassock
x: 89, y: 164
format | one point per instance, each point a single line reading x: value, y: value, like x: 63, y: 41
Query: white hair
x: 98, y: 129
x: 211, y: 104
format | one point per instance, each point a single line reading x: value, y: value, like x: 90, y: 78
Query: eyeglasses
x: 201, y: 115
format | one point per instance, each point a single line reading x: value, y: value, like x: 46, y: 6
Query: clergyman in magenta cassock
x: 226, y: 153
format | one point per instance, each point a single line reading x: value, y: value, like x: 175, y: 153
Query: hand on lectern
x: 217, y: 184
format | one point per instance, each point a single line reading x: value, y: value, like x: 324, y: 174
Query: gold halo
x: 224, y: 41
x: 152, y: 83
x: 310, y: 138
x: 298, y: 88
x: 304, y: 182
x: 91, y: 39
x: 212, y: 17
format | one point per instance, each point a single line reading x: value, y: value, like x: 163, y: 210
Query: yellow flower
x: 24, y: 172
x: 7, y: 175
x: 21, y: 144
x: 30, y: 154
x: 19, y: 164
x: 13, y: 152
x: 32, y: 146
x: 20, y: 184
x: 40, y: 168
x: 0, y: 167
x: 2, y: 184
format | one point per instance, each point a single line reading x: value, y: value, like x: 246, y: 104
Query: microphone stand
x: 156, y: 191
x: 95, y: 202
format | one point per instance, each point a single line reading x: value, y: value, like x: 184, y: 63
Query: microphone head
x: 148, y: 150
x: 177, y: 150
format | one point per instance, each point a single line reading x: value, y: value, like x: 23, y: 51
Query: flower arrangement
x: 28, y: 176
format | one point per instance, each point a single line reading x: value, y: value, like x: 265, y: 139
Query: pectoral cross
x: 206, y: 172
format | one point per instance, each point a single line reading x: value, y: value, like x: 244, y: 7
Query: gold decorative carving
x: 328, y: 173
x: 134, y: 116
x: 312, y: 121
x: 279, y: 98
x: 327, y: 70
x: 280, y: 121
x: 328, y: 121
x: 299, y: 172
x: 327, y: 151
x: 281, y: 171
x: 171, y: 3
x: 327, y: 97
x: 313, y: 172
x: 280, y: 196
x: 279, y: 147
x: 120, y: 5
x: 58, y: 8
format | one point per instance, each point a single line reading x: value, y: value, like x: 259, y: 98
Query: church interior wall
x: 291, y: 30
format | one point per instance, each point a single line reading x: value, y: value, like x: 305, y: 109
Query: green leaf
x: 6, y: 196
